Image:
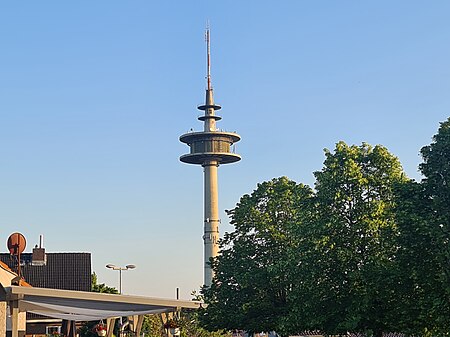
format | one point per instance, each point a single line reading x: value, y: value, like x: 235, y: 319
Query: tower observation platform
x: 210, y: 144
x: 210, y: 148
x: 206, y: 146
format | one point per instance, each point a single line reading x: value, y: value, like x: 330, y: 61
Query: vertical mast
x: 208, y: 58
x: 210, y: 124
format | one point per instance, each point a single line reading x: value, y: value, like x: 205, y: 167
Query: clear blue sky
x: 94, y: 95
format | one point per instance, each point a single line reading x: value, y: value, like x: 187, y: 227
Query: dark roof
x: 68, y: 271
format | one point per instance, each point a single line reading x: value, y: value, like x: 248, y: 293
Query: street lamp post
x: 114, y: 267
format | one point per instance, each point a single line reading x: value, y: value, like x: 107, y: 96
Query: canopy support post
x: 3, y: 311
x: 139, y: 323
x: 14, y: 307
x: 110, y: 323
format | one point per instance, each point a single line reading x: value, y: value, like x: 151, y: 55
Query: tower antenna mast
x: 208, y: 57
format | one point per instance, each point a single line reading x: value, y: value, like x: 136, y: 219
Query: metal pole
x: 120, y: 281
x: 120, y: 293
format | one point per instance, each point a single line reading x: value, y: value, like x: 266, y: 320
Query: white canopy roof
x: 89, y: 306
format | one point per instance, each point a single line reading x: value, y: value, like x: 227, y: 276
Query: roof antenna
x: 208, y: 57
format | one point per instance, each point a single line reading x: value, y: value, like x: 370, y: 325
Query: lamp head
x: 130, y: 266
x: 110, y: 266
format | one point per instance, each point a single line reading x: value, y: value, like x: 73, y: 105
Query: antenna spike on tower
x: 208, y: 57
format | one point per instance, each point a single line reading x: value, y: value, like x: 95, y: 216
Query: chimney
x: 39, y: 257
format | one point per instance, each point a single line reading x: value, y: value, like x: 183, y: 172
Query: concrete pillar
x: 18, y: 320
x: 3, y: 314
x: 138, y: 326
x: 22, y: 324
x: 110, y: 323
x: 3, y: 310
x: 14, y: 308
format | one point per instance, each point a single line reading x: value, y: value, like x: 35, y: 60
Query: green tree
x: 251, y: 284
x: 367, y: 253
x: 349, y: 287
x: 417, y: 287
x: 152, y: 326
x: 101, y: 287
x: 436, y: 169
x: 190, y: 326
x: 423, y: 259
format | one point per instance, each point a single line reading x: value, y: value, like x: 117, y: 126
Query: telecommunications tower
x: 210, y: 148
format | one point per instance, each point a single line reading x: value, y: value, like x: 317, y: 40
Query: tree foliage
x: 101, y: 287
x: 152, y: 326
x: 367, y: 251
x: 417, y: 287
x: 424, y: 217
x: 249, y: 291
x: 348, y: 288
x: 190, y: 327
x: 436, y: 169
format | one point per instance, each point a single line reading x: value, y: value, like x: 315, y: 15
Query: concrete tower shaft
x: 211, y: 217
x: 210, y: 148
